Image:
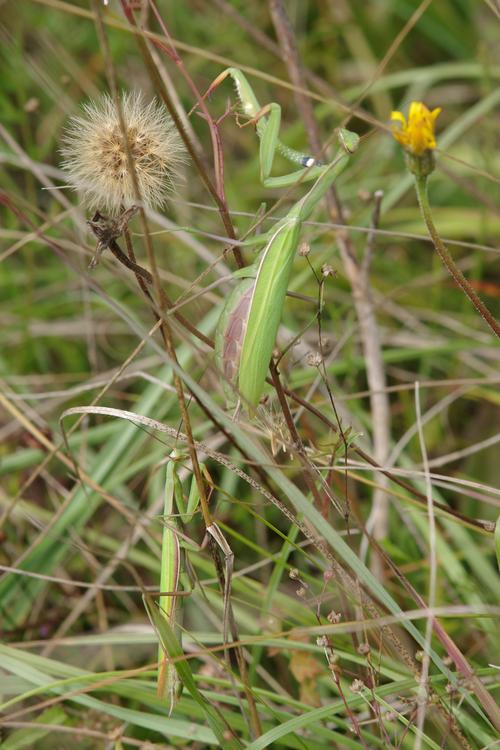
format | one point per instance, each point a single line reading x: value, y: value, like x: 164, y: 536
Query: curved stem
x: 444, y: 254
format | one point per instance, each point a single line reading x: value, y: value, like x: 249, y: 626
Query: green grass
x: 328, y: 637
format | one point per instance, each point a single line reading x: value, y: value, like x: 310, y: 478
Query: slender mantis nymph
x: 175, y: 510
x: 249, y: 323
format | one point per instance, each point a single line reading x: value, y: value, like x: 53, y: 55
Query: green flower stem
x: 444, y: 254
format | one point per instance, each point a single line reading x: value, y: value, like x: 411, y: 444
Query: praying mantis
x: 250, y: 319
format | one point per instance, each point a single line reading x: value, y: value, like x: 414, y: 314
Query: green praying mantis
x: 176, y: 513
x: 248, y: 325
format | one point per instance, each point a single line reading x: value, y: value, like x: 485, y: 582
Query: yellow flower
x: 417, y: 134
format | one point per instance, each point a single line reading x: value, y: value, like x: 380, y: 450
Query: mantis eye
x: 310, y: 161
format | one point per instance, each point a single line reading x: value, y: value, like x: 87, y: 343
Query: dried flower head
x: 314, y: 359
x: 416, y: 134
x: 357, y: 686
x: 96, y: 158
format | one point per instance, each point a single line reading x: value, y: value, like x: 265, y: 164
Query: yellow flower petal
x: 399, y: 117
x: 416, y: 134
x: 415, y: 111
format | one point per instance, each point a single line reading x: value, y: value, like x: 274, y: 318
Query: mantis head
x: 348, y: 140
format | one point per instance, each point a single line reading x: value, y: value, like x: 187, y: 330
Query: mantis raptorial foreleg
x: 249, y: 323
x: 267, y: 122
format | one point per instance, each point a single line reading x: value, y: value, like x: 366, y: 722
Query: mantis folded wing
x: 249, y: 323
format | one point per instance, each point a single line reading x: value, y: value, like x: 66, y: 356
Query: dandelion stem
x: 444, y: 254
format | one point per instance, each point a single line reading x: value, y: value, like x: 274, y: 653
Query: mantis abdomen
x: 247, y: 330
x: 232, y: 327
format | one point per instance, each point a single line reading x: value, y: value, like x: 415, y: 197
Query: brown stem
x: 142, y: 273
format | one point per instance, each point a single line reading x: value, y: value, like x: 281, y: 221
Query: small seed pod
x: 334, y: 617
x: 364, y: 649
x: 357, y: 686
x: 313, y: 359
x: 327, y: 270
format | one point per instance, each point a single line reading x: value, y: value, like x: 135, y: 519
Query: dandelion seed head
x: 96, y: 159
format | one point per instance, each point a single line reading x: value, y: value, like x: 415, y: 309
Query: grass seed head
x: 96, y: 159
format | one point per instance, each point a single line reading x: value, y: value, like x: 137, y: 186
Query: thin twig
x: 377, y: 382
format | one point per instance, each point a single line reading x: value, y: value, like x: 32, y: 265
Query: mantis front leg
x: 267, y: 121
